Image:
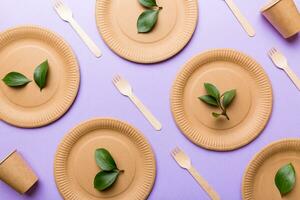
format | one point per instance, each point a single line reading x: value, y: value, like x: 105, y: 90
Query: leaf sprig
x: 285, y: 179
x: 16, y: 79
x: 148, y: 19
x: 110, y: 172
x: 214, y: 98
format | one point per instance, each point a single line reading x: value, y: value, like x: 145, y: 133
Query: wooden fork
x: 281, y: 62
x: 66, y: 14
x: 125, y: 88
x: 185, y: 162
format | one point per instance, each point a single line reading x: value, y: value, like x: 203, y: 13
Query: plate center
x: 225, y: 76
x: 24, y: 58
x: 84, y: 168
x: 127, y: 21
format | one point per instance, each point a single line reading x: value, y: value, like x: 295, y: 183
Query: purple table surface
x: 217, y: 28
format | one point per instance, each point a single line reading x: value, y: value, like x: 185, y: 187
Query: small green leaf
x: 148, y: 3
x: 216, y: 115
x: 147, y: 21
x: 212, y: 90
x: 103, y: 180
x: 15, y: 79
x: 40, y: 74
x: 209, y: 100
x: 285, y: 179
x: 104, y: 160
x: 228, y: 97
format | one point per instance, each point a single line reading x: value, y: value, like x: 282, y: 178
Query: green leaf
x: 228, y: 97
x: 285, y: 179
x: 103, y: 180
x: 147, y: 21
x: 40, y: 74
x: 104, y: 160
x: 209, y: 100
x: 212, y: 90
x: 148, y: 3
x: 15, y: 79
x: 216, y: 115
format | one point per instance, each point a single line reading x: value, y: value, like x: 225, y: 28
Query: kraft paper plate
x: 21, y: 50
x: 249, y: 112
x: 258, y: 182
x: 116, y: 21
x: 75, y: 166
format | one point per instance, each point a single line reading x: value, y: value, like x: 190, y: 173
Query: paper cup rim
x: 3, y: 160
x: 270, y: 5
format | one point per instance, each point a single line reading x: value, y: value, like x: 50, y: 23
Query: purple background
x: 217, y: 28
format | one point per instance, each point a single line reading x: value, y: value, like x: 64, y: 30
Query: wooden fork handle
x: 87, y: 40
x: 148, y: 115
x: 241, y: 18
x: 293, y: 77
x: 204, y: 184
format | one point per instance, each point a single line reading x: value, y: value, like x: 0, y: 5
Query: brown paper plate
x: 21, y: 50
x: 75, y: 166
x: 116, y: 21
x: 249, y: 112
x: 258, y: 181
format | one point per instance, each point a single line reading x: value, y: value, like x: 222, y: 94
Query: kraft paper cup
x: 284, y: 16
x: 15, y: 172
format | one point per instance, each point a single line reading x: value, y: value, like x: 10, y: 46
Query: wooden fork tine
x: 115, y: 81
x: 117, y: 77
x: 272, y: 52
x: 174, y: 151
x: 57, y: 3
x: 177, y: 150
x: 120, y: 78
x: 177, y: 153
x: 60, y: 2
x: 278, y: 52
